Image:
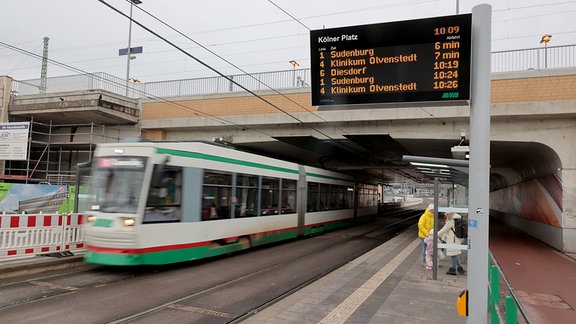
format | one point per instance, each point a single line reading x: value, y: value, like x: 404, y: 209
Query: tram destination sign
x: 406, y: 61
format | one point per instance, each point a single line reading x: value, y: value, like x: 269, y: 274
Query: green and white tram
x: 167, y: 202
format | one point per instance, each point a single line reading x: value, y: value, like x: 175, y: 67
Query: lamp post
x: 295, y: 65
x: 129, y: 55
x: 544, y: 41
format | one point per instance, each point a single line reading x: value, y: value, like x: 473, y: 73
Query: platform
x: 386, y: 285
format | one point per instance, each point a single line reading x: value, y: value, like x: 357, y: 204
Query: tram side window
x: 362, y: 197
x: 269, y: 196
x: 164, y: 197
x: 288, y: 196
x: 246, y: 199
x: 216, y: 195
x: 342, y: 197
x: 367, y: 196
x: 350, y: 197
x: 312, y: 198
x: 324, y: 196
x: 334, y: 195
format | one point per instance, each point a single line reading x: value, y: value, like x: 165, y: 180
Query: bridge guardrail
x: 50, y: 234
x: 501, y: 61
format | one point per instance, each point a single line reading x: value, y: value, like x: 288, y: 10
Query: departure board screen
x: 405, y: 61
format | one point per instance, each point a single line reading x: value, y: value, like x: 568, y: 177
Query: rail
x: 23, y: 235
x: 502, y: 61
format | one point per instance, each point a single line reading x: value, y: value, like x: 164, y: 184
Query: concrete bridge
x: 532, y: 140
x: 533, y: 162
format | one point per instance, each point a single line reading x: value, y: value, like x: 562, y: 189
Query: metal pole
x: 479, y: 176
x: 129, y: 49
x: 435, y: 236
x: 545, y: 55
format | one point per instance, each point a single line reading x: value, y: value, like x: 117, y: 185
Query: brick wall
x: 550, y: 88
x: 530, y: 89
x: 227, y: 106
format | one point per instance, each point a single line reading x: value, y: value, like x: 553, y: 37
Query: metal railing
x: 503, y: 304
x: 502, y: 61
x: 534, y: 59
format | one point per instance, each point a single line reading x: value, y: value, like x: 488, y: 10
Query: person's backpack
x: 461, y: 228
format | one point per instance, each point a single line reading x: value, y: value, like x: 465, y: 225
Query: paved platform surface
x: 386, y: 285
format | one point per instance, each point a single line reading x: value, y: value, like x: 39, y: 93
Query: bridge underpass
x: 532, y: 152
x: 533, y: 178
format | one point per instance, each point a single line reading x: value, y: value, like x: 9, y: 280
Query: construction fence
x: 23, y: 235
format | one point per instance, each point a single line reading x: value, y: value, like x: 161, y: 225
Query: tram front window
x: 117, y: 184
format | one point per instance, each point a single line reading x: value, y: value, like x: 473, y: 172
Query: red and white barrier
x: 22, y: 235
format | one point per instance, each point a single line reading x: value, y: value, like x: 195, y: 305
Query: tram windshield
x: 117, y: 184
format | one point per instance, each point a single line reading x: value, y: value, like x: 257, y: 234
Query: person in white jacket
x: 448, y: 235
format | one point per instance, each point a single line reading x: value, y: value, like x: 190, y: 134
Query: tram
x: 151, y: 203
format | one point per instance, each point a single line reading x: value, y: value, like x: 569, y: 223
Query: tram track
x: 230, y: 318
x: 232, y: 288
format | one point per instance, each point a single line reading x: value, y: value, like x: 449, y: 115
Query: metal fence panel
x: 502, y: 61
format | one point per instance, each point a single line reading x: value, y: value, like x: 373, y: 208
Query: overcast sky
x: 253, y: 35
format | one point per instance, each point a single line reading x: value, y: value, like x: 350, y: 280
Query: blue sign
x: 133, y: 50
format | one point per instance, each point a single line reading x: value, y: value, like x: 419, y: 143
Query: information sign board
x: 406, y: 61
x: 14, y: 140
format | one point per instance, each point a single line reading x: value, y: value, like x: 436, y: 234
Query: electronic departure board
x: 405, y: 61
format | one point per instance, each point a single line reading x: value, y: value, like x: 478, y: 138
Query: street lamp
x: 129, y: 54
x: 544, y: 41
x: 134, y: 82
x: 295, y: 65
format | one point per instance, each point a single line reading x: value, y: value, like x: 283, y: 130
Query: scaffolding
x: 54, y: 151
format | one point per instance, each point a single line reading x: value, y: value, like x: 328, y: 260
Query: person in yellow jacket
x: 425, y: 224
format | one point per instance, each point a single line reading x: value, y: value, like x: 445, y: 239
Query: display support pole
x: 479, y: 173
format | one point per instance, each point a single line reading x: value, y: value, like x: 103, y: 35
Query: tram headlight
x: 91, y: 218
x: 128, y: 221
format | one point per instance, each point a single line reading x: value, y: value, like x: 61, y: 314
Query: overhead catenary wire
x: 211, y: 68
x: 238, y: 68
x: 111, y: 82
x: 517, y: 12
x: 287, y: 13
x: 218, y: 72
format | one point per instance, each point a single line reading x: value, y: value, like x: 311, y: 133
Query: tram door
x: 301, y: 196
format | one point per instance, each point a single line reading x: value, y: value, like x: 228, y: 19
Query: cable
x: 240, y: 69
x: 211, y: 68
x: 111, y: 82
x: 289, y: 15
x: 221, y: 74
